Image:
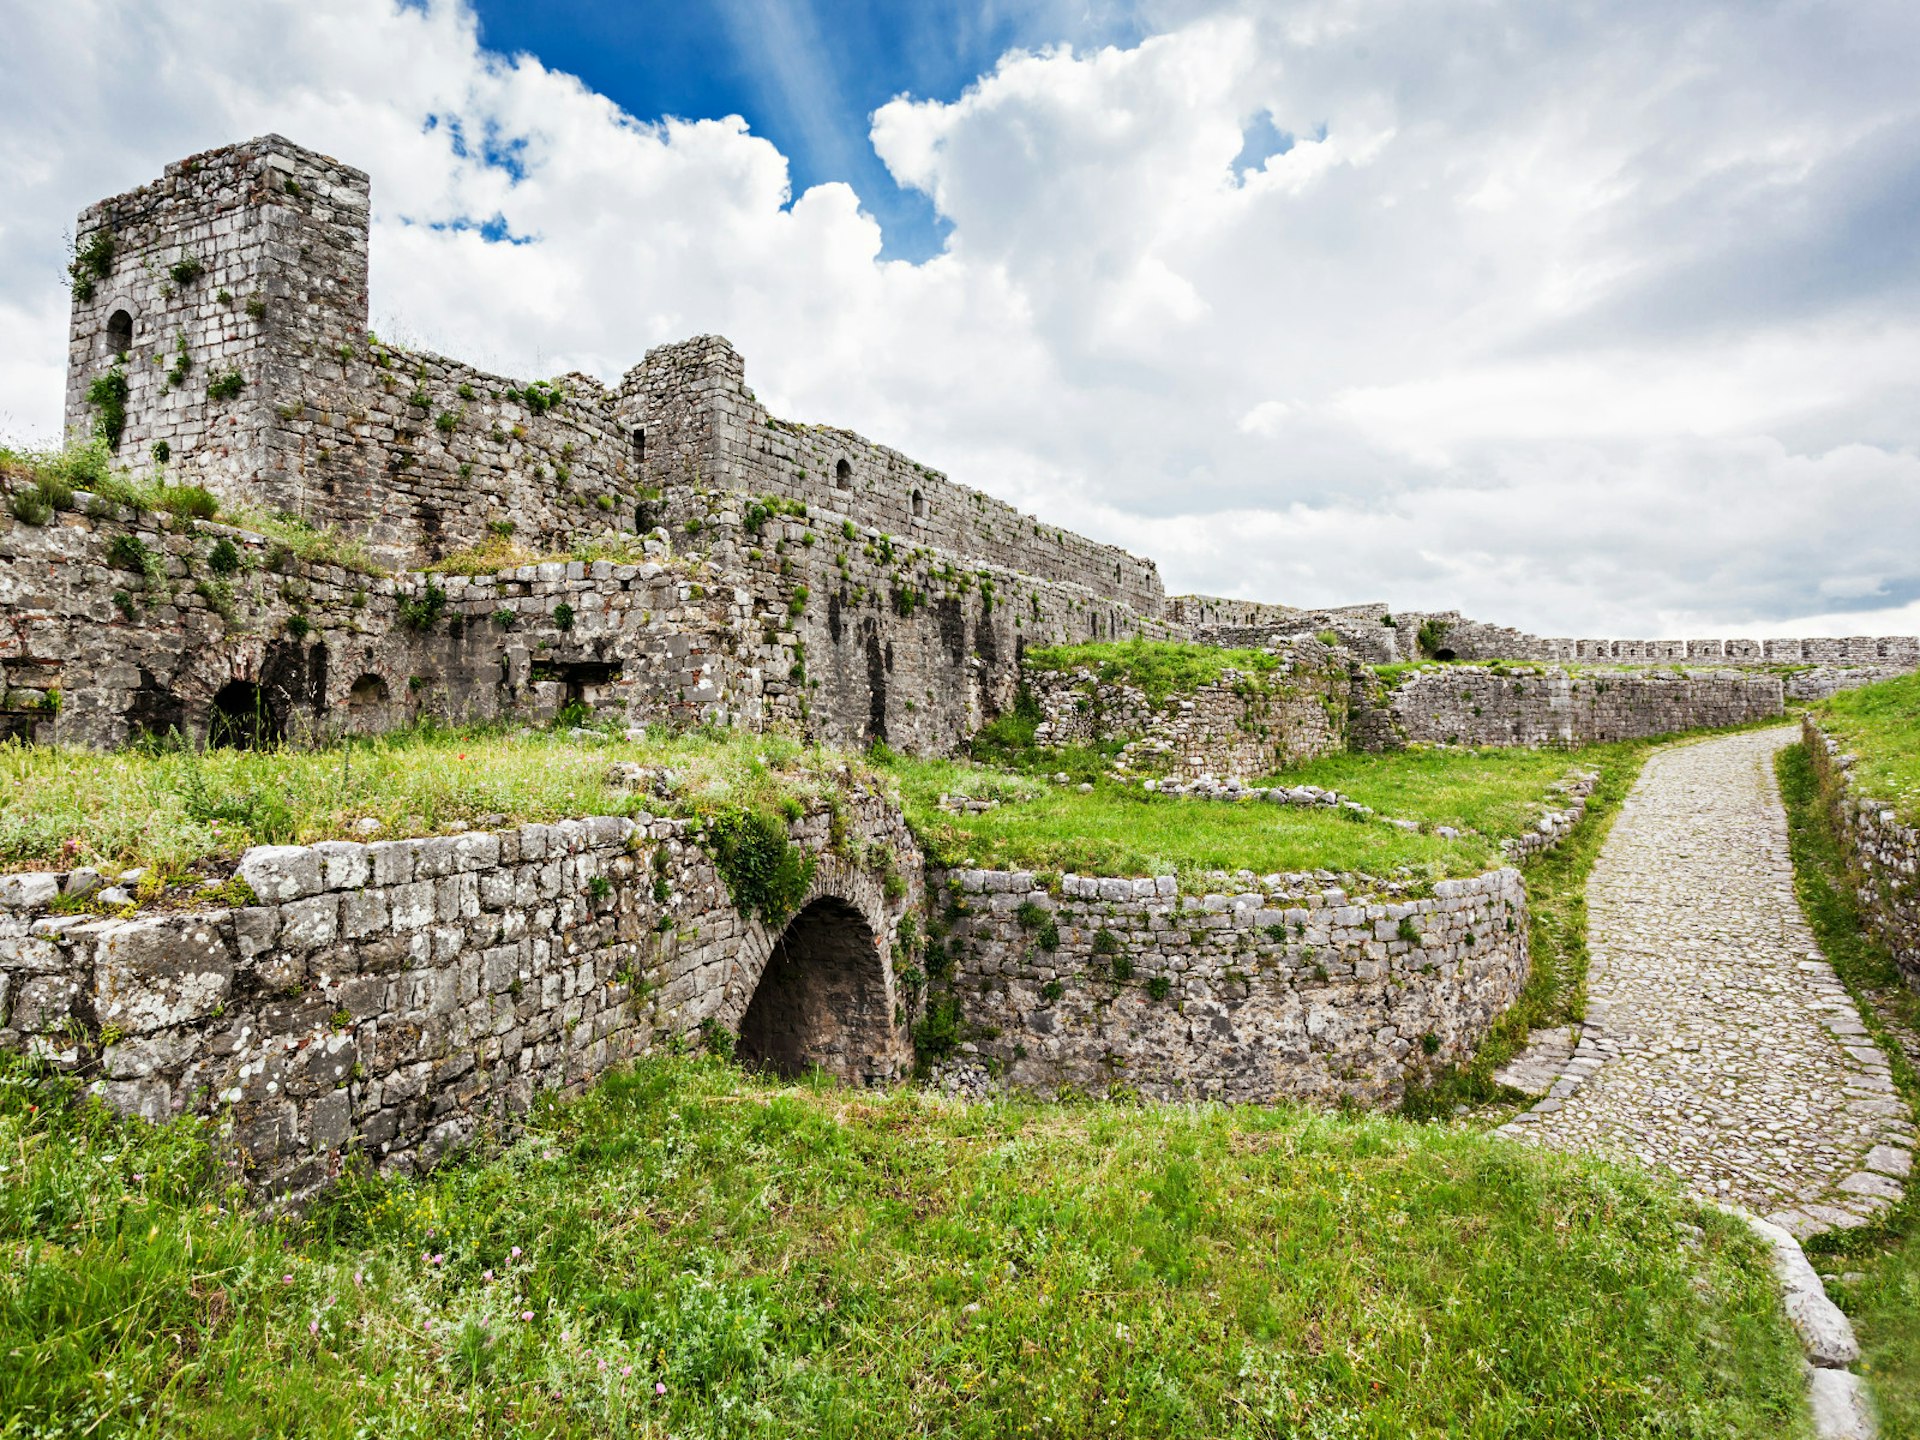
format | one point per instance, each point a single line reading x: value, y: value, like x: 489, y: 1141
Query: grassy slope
x: 1885, y: 1306
x: 1555, y: 993
x: 62, y: 806
x: 1119, y: 830
x: 1160, y: 668
x: 1881, y: 725
x: 790, y: 1262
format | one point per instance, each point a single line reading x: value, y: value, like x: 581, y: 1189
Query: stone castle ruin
x: 401, y: 537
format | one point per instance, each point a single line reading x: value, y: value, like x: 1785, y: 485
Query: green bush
x: 108, y: 397
x: 765, y: 872
x: 227, y: 386
x: 225, y: 557
x: 91, y: 263
x: 421, y: 612
x: 185, y: 502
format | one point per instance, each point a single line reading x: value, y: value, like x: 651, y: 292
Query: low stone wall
x: 398, y: 997
x: 1883, y: 853
x: 1468, y: 705
x: 1289, y: 990
x: 1244, y: 724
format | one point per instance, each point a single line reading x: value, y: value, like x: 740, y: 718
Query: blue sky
x: 806, y: 74
x: 1596, y: 319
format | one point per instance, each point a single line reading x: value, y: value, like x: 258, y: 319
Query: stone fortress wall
x: 1287, y: 989
x: 1883, y: 851
x: 393, y: 998
x: 1244, y: 724
x: 873, y: 598
x: 1384, y: 636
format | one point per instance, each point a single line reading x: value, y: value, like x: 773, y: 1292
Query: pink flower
x: 313, y: 1327
x: 659, y: 1387
x: 514, y: 1254
x: 526, y: 1314
x: 286, y: 1279
x: 626, y: 1370
x: 487, y: 1275
x: 358, y: 1278
x: 429, y: 1324
x: 440, y: 1259
x: 603, y: 1364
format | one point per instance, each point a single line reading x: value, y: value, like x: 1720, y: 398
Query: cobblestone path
x: 1719, y: 1045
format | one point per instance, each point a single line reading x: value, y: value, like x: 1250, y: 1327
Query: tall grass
x: 688, y: 1252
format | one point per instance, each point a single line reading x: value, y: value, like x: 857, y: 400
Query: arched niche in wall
x: 119, y: 332
x: 842, y: 474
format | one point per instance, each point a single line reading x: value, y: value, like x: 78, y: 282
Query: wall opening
x: 119, y: 332
x: 842, y: 475
x: 821, y: 1001
x: 919, y: 505
x: 241, y: 719
x: 639, y: 446
x: 367, y: 705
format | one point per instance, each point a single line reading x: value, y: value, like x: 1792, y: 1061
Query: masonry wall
x: 99, y: 646
x: 1467, y: 705
x: 1290, y: 991
x: 1243, y: 725
x: 400, y: 997
x: 1883, y: 853
x: 748, y: 451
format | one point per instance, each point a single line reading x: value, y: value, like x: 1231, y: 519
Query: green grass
x: 62, y: 806
x: 1555, y: 992
x: 1122, y: 830
x: 1885, y: 1305
x: 1161, y: 668
x: 703, y: 1255
x: 1880, y: 724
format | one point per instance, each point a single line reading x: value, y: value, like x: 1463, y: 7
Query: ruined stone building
x: 795, y: 572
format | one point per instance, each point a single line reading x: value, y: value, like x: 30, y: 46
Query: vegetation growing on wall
x: 1159, y: 668
x: 765, y: 872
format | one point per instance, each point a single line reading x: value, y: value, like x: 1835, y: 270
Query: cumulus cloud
x: 1588, y: 322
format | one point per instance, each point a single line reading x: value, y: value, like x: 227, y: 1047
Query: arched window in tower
x: 842, y: 475
x: 119, y: 332
x: 919, y: 505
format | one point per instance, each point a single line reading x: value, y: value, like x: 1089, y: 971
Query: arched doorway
x: 822, y: 1000
x: 241, y: 718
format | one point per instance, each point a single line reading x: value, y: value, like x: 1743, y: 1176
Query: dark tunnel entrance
x: 821, y: 1001
x: 241, y: 718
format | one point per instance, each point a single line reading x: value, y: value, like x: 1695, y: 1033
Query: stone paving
x: 1719, y: 1044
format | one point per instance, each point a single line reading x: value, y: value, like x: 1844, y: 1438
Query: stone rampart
x: 1289, y: 990
x: 1244, y: 724
x: 396, y: 998
x: 122, y: 625
x: 1883, y: 852
x: 1469, y: 705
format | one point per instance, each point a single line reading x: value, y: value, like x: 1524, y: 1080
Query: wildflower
x: 603, y: 1364
x: 313, y: 1327
x: 487, y: 1275
x: 286, y: 1279
x: 515, y: 1253
x: 358, y: 1278
x: 526, y: 1314
x: 440, y: 1259
x: 659, y: 1387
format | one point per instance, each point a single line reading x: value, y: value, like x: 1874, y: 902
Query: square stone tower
x: 209, y: 303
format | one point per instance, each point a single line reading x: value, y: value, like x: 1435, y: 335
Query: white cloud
x: 1583, y: 324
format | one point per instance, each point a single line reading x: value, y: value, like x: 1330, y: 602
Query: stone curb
x: 1841, y: 1402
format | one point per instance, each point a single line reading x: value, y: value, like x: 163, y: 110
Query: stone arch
x: 819, y: 991
x: 919, y: 505
x: 241, y: 717
x: 119, y: 331
x: 842, y: 474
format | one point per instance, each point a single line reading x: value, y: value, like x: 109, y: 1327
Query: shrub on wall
x: 765, y: 873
